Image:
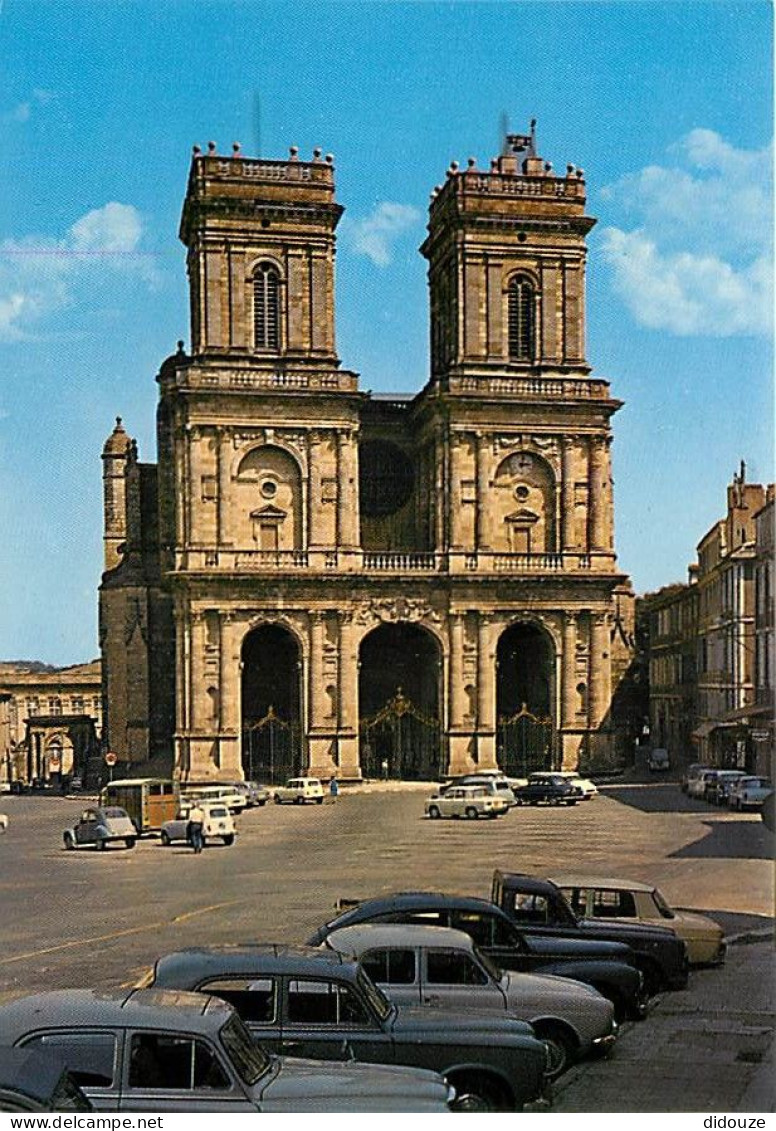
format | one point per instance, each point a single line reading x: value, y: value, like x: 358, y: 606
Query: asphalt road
x: 87, y: 918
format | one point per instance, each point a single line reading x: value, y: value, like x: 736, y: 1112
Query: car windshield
x: 114, y: 811
x: 218, y: 812
x: 248, y: 1058
x: 377, y: 999
x: 662, y: 906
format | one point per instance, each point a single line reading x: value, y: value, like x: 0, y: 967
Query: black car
x: 539, y: 906
x: 34, y: 1080
x: 607, y: 967
x: 316, y: 1003
x: 548, y: 789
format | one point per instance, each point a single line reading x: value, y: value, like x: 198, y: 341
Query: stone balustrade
x: 207, y: 559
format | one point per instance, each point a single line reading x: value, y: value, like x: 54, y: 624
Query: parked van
x: 148, y: 801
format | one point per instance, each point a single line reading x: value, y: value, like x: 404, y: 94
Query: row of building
x: 711, y: 645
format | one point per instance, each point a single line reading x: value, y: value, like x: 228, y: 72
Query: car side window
x: 324, y: 1003
x: 614, y: 904
x: 392, y: 967
x: 423, y: 918
x: 168, y: 1062
x: 530, y: 908
x: 255, y: 999
x: 90, y: 1057
x: 451, y: 968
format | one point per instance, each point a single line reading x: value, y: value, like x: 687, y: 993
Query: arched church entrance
x: 271, y: 704
x: 525, y: 694
x: 399, y: 703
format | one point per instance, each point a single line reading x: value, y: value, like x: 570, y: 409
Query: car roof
x: 195, y: 963
x: 575, y: 881
x: 139, y: 1009
x: 363, y: 936
x: 417, y: 901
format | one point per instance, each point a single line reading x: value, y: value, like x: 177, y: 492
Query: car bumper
x: 602, y: 1046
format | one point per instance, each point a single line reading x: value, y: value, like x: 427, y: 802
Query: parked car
x: 297, y: 791
x: 496, y: 783
x: 550, y: 789
x: 312, y: 1002
x: 33, y: 1080
x: 438, y: 966
x: 697, y: 786
x: 148, y: 801
x: 150, y: 1050
x: 223, y: 792
x: 218, y: 824
x: 591, y: 897
x: 470, y: 801
x: 101, y: 827
x: 256, y: 793
x: 607, y: 967
x: 541, y: 908
x: 692, y: 773
x: 588, y: 788
x: 717, y: 791
x: 658, y: 760
x: 748, y: 792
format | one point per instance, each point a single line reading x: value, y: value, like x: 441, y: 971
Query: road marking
x: 202, y: 910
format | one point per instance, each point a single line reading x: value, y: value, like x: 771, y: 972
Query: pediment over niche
x: 523, y: 516
x: 269, y: 512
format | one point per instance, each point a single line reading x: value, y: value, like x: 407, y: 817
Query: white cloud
x: 23, y: 110
x: 40, y: 275
x: 697, y: 261
x: 375, y: 234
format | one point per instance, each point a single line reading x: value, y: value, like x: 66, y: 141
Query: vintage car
x: 607, y: 967
x: 439, y: 966
x: 591, y: 897
x: 158, y: 1051
x: 255, y: 793
x: 749, y: 792
x: 550, y: 789
x: 218, y: 825
x: 589, y: 789
x: 470, y: 801
x: 101, y: 827
x: 658, y: 760
x: 494, y: 781
x: 312, y: 1002
x: 692, y: 773
x: 234, y: 799
x: 539, y: 906
x: 33, y: 1080
x: 297, y: 791
x: 717, y: 792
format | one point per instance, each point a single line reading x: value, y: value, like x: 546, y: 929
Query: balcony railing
x: 221, y: 560
x: 388, y: 561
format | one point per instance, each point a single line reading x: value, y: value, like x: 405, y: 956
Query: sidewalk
x: 708, y: 1048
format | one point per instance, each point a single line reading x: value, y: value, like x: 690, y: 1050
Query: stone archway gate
x: 527, y: 743
x: 400, y: 741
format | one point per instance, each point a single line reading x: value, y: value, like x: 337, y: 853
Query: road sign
x: 761, y: 735
x: 110, y: 758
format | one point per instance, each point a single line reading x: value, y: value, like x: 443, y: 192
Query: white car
x: 469, y: 801
x: 749, y: 792
x: 297, y: 791
x: 210, y: 794
x: 218, y: 824
x: 589, y: 789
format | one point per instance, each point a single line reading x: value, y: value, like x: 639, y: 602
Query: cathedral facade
x: 313, y: 578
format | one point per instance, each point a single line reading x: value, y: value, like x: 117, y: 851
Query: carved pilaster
x: 597, y: 477
x: 569, y: 675
x: 317, y: 639
x: 600, y: 669
x: 455, y: 532
x: 314, y: 500
x: 457, y: 694
x: 567, y: 515
x: 483, y: 487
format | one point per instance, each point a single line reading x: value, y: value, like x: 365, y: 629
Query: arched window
x: 521, y: 319
x: 266, y: 307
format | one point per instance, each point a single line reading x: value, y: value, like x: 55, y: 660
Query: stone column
x: 347, y: 471
x: 348, y: 697
x: 195, y: 484
x: 224, y: 486
x: 456, y: 671
x: 314, y: 503
x: 483, y: 480
x: 567, y: 494
x: 598, y: 496
x: 455, y: 534
x: 486, y: 694
x: 568, y: 671
x: 317, y: 637
x: 600, y: 669
x: 230, y: 739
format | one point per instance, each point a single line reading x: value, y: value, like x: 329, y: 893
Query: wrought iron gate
x: 527, y: 743
x: 401, y: 742
x: 271, y: 749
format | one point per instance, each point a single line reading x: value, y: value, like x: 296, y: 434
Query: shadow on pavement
x: 736, y: 922
x: 748, y: 840
x: 655, y: 797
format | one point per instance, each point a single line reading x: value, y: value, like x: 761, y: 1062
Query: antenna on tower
x: 257, y: 123
x: 503, y: 129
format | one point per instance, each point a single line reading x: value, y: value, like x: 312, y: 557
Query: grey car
x: 312, y: 1002
x: 159, y: 1051
x: 32, y: 1080
x: 439, y: 966
x: 101, y: 827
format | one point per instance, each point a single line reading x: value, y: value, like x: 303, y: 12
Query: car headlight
x: 451, y: 1093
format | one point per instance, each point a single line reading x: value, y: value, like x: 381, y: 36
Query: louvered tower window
x: 266, y: 307
x: 521, y: 319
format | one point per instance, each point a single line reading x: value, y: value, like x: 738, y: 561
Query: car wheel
x: 653, y: 980
x: 165, y: 838
x: 130, y: 842
x: 475, y: 1092
x: 277, y: 800
x: 471, y: 813
x: 434, y: 813
x: 572, y: 801
x: 69, y: 841
x: 101, y: 843
x: 229, y: 839
x: 299, y: 801
x: 262, y: 803
x: 319, y: 801
x: 560, y: 1048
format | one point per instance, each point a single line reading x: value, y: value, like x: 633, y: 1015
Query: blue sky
x: 666, y: 106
